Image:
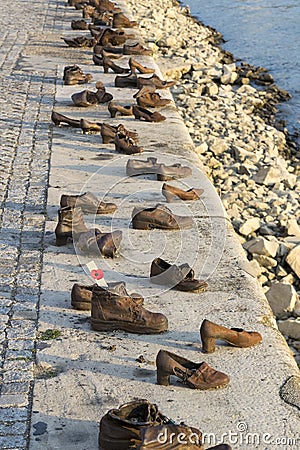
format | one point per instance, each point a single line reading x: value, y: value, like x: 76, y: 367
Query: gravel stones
x: 282, y: 298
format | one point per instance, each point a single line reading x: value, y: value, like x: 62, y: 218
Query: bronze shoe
x: 181, y: 278
x: 111, y: 311
x: 109, y: 64
x: 113, y: 51
x: 116, y: 109
x: 125, y: 144
x: 135, y: 66
x: 165, y: 173
x: 237, y: 337
x: 90, y: 127
x: 88, y: 98
x: 80, y: 24
x: 136, y: 49
x: 170, y: 192
x: 70, y: 225
x: 113, y: 37
x: 58, y: 118
x: 88, y: 203
x: 108, y: 133
x: 220, y: 447
x: 194, y: 375
x: 152, y: 99
x: 140, y: 422
x: 128, y: 81
x: 93, y: 242
x: 139, y: 167
x: 146, y: 115
x: 159, y: 217
x: 74, y: 75
x: 81, y: 296
x: 154, y: 81
x: 120, y: 20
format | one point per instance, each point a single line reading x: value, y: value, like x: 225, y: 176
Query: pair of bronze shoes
x: 135, y: 167
x: 112, y: 52
x: 89, y: 98
x: 74, y: 75
x: 147, y: 97
x: 124, y: 143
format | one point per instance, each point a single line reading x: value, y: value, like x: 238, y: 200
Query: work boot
x: 70, y: 224
x: 113, y: 311
x: 135, y: 66
x: 88, y: 203
x: 155, y: 81
x: 57, y: 119
x: 116, y: 109
x: 141, y: 423
x: 171, y: 192
x: 159, y: 217
x: 74, y: 75
x: 81, y: 296
x: 237, y: 337
x: 125, y: 144
x: 93, y: 242
x: 146, y: 115
x: 194, y: 375
x: 120, y: 21
x: 180, y: 278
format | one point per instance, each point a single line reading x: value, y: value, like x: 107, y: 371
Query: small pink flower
x: 97, y: 274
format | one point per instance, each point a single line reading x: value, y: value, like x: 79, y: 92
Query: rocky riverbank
x: 230, y: 111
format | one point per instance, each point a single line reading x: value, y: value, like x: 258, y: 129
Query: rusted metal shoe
x: 93, y: 242
x: 172, y: 192
x: 115, y: 109
x: 88, y: 203
x: 159, y: 217
x: 74, y: 75
x: 146, y: 115
x: 58, y: 119
x: 70, y: 225
x: 125, y: 144
x: 113, y: 311
x: 180, y: 278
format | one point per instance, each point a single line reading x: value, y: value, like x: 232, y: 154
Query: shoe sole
x: 143, y: 225
x: 101, y: 325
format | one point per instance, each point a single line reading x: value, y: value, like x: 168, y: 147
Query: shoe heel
x: 208, y: 345
x: 163, y: 378
x: 105, y: 68
x: 113, y: 112
x: 169, y: 196
x: 61, y: 240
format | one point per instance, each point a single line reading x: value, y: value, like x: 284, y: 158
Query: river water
x: 263, y: 33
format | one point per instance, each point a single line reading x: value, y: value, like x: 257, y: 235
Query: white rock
x: 293, y: 260
x: 290, y: 327
x: 268, y: 175
x: 249, y: 226
x: 282, y: 298
x: 212, y: 89
x: 262, y: 246
x: 296, y: 310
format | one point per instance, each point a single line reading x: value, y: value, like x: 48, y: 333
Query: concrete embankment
x: 81, y: 373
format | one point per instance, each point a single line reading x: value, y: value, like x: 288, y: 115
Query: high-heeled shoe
x: 194, y: 375
x: 116, y: 109
x: 136, y: 49
x: 237, y: 337
x: 170, y: 192
x: 135, y: 66
x: 58, y: 118
x: 144, y: 114
x: 109, y: 64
